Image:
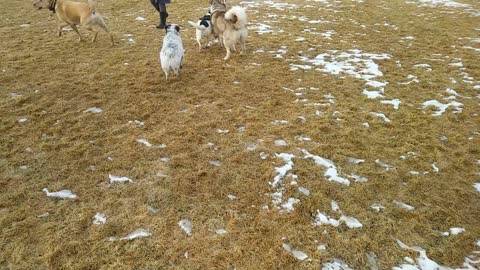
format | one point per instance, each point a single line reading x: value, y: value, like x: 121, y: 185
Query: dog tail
x: 199, y: 27
x: 91, y: 4
x: 238, y: 16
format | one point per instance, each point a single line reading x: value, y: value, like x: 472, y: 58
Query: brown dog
x: 229, y: 26
x: 73, y: 14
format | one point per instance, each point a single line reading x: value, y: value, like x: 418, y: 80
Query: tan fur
x: 226, y: 31
x: 76, y: 13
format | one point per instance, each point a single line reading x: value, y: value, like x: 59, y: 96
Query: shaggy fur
x: 75, y: 13
x: 171, y: 55
x: 230, y: 26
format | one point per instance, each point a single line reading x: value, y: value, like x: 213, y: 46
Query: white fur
x: 239, y: 33
x: 241, y: 15
x: 201, y: 32
x: 171, y: 55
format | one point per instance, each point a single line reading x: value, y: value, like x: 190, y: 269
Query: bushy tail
x: 238, y: 16
x: 91, y: 4
x: 199, y: 27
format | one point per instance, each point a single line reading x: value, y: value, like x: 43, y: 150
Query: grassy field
x: 223, y: 125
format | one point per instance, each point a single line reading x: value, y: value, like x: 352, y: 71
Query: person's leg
x: 163, y: 16
x: 155, y: 4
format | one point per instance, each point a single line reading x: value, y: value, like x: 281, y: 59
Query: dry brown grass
x: 58, y: 78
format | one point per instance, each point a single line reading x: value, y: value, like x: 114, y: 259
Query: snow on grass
x: 386, y: 166
x: 139, y: 18
x: 99, y: 219
x: 377, y: 207
x: 186, y: 226
x: 22, y: 120
x: 381, y: 116
x: 372, y: 94
x: 427, y: 67
x: 261, y: 28
x: 443, y: 107
x: 324, y: 219
x: 231, y: 197
x: 423, y: 262
x: 139, y: 233
x: 447, y: 3
x: 62, y: 194
x: 137, y: 123
x: 280, y: 122
x: 394, y: 102
x: 220, y: 231
x: 280, y: 143
x: 304, y: 191
x: 93, y: 110
x: 354, y: 63
x: 288, y: 205
x: 148, y: 144
x: 331, y: 170
x: 299, y: 255
x: 454, y: 231
x: 216, y: 163
x: 355, y: 160
x: 337, y: 264
x: 477, y: 186
x: 404, y: 205
x: 119, y: 179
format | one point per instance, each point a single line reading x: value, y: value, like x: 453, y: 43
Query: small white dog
x: 171, y: 55
x: 203, y: 28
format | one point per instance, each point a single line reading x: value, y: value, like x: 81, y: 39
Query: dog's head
x: 39, y: 4
x: 172, y: 28
x: 216, y: 5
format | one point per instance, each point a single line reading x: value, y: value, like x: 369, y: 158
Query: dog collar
x: 52, y: 5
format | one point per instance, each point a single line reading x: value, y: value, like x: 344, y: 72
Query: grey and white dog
x: 171, y: 54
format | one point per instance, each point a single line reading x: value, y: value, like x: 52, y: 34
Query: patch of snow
x: 377, y: 207
x: 62, y: 194
x: 443, y: 107
x: 139, y: 233
x: 331, y: 170
x: 304, y: 191
x: 337, y: 264
x: 395, y: 102
x: 280, y: 143
x: 118, y: 179
x: 186, y: 226
x: 381, y: 116
x: 299, y: 255
x: 93, y: 110
x: 99, y: 218
x: 355, y: 160
x: 404, y: 205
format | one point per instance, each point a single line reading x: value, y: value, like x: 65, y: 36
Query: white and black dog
x: 203, y: 28
x: 171, y: 54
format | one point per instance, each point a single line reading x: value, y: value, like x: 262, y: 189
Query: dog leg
x: 74, y: 27
x: 105, y: 28
x: 244, y: 46
x: 60, y: 27
x: 228, y: 53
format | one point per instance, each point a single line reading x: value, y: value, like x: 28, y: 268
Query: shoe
x: 163, y: 20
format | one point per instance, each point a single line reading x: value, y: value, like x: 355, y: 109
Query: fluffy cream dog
x: 75, y: 13
x: 230, y: 26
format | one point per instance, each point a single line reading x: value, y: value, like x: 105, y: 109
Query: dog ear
x: 167, y: 27
x: 177, y: 28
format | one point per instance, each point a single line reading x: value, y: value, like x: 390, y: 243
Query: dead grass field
x: 51, y: 80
